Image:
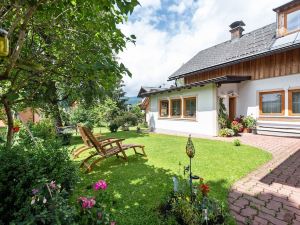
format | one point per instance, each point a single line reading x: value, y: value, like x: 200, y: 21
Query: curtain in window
x: 296, y: 102
x: 190, y: 107
x: 164, y: 110
x: 271, y: 103
x: 176, y: 107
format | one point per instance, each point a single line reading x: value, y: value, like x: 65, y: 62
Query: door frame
x: 232, y: 117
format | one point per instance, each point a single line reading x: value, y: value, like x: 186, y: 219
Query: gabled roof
x: 250, y: 45
x: 145, y: 90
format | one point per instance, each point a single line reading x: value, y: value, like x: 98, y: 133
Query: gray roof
x: 251, y: 44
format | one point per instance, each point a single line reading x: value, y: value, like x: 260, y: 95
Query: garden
x: 59, y: 60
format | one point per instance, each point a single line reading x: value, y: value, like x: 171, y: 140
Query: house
x: 256, y: 73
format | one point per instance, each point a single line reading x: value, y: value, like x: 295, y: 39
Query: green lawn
x: 141, y: 183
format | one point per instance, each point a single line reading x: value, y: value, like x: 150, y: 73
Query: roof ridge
x: 242, y: 49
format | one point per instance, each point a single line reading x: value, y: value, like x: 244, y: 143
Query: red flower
x: 16, y: 129
x: 204, y: 189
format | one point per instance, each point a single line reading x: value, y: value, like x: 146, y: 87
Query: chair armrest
x: 112, y: 142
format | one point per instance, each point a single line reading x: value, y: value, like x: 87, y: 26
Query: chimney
x: 236, y: 29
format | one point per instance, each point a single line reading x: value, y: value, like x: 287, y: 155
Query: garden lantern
x: 190, y: 151
x: 4, y: 43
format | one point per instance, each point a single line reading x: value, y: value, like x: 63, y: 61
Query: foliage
x: 114, y: 126
x: 47, y: 204
x: 62, y: 51
x: 136, y: 110
x: 96, y: 209
x: 223, y: 119
x: 84, y: 116
x: 249, y: 122
x: 199, y: 208
x: 44, y: 130
x: 106, y: 111
x: 25, y: 166
x: 236, y: 127
x: 237, y: 142
x: 226, y: 132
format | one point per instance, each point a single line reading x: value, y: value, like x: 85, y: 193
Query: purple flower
x: 101, y: 184
x: 35, y: 191
x: 52, y: 185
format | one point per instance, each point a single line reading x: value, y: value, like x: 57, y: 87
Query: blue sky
x: 170, y: 32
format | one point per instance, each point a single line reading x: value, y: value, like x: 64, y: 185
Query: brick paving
x: 271, y: 194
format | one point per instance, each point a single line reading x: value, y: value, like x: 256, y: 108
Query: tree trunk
x: 57, y: 116
x: 10, y: 123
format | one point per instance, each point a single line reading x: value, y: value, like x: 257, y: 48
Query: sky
x: 170, y: 32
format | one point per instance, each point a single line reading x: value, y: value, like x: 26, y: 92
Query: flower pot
x: 247, y: 130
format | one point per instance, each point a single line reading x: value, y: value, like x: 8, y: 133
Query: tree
x: 60, y: 50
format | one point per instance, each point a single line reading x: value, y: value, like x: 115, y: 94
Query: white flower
x: 32, y: 200
x: 44, y: 200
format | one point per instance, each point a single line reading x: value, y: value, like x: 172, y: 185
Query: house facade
x: 256, y: 73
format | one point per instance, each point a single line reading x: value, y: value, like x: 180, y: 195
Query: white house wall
x: 248, y: 99
x: 206, y: 114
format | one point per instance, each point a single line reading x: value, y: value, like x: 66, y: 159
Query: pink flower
x: 52, y: 185
x: 101, y: 184
x: 87, y: 203
x: 113, y: 223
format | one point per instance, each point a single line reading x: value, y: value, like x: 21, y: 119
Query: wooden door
x: 232, y: 108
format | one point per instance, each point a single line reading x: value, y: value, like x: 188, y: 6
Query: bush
x: 237, y: 142
x: 113, y: 126
x: 226, y: 132
x: 249, y: 122
x: 236, y: 127
x: 86, y: 117
x: 202, y: 210
x: 25, y: 167
x: 44, y: 130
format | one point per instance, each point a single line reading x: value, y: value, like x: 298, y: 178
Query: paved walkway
x: 271, y: 194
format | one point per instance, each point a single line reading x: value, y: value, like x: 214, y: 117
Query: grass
x: 140, y: 184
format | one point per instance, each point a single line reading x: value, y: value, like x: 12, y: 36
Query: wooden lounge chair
x: 107, y: 149
x: 87, y: 144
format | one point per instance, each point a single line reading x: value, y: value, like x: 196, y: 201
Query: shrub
x: 249, y: 122
x: 44, y: 130
x: 237, y: 142
x: 113, y: 126
x: 96, y: 209
x: 86, y: 117
x: 226, y: 132
x: 47, y: 204
x: 25, y: 166
x: 202, y: 210
x: 236, y: 127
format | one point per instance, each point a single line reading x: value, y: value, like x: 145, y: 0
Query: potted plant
x: 236, y: 127
x: 249, y: 124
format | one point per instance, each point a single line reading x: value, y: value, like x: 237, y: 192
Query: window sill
x: 178, y: 119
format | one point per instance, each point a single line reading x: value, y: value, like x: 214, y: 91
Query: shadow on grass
x: 137, y: 187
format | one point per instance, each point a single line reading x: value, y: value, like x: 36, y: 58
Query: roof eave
x: 261, y: 54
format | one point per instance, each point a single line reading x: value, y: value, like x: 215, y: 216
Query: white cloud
x: 158, y: 53
x: 150, y: 3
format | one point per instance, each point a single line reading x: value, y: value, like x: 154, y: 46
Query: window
x: 293, y: 21
x: 294, y: 102
x: 190, y: 107
x: 164, y: 108
x: 176, y: 107
x: 271, y: 103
